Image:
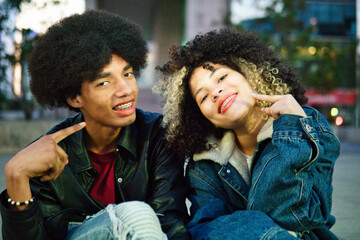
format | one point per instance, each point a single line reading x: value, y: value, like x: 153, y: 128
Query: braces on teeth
x: 226, y: 102
x: 124, y: 106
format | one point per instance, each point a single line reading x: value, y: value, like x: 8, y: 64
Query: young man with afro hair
x: 107, y: 172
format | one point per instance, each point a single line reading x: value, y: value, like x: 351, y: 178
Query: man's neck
x: 102, y: 140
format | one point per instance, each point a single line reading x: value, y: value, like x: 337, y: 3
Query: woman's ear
x: 74, y: 102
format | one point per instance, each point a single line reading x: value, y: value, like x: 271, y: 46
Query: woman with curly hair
x: 260, y: 164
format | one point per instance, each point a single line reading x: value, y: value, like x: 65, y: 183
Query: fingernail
x: 82, y: 124
x: 262, y: 109
x: 252, y: 94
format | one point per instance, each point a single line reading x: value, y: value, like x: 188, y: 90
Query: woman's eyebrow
x: 198, y: 91
x: 213, y: 72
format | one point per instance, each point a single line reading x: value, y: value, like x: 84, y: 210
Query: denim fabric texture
x: 290, y: 190
x: 125, y: 221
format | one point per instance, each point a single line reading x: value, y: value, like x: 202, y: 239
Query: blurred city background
x: 317, y: 37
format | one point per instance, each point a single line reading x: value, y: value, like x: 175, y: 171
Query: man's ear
x: 74, y: 102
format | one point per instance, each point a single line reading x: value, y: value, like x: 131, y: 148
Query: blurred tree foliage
x: 321, y: 63
x: 7, y: 8
x: 20, y: 55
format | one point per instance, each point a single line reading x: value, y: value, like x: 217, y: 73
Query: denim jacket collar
x: 225, y: 151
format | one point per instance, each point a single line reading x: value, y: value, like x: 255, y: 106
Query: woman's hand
x: 282, y: 104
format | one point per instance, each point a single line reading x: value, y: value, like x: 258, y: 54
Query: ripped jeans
x: 125, y: 221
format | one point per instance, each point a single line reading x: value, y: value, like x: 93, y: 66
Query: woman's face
x: 222, y: 95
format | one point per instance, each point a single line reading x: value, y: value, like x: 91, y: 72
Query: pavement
x: 346, y: 195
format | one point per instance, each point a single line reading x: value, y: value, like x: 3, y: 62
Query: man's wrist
x: 17, y: 184
x: 15, y: 203
x: 14, y: 175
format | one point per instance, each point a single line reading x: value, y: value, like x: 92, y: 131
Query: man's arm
x: 43, y: 158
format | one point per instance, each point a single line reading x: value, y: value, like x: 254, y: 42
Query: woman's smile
x: 222, y: 95
x: 226, y: 102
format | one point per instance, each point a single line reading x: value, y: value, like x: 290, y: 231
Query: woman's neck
x: 247, y: 134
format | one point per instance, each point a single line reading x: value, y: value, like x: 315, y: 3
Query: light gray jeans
x: 125, y: 221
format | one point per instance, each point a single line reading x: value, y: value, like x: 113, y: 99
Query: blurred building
x: 332, y: 18
x: 167, y: 22
x: 202, y: 16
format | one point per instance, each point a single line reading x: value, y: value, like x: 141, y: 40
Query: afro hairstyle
x: 78, y: 47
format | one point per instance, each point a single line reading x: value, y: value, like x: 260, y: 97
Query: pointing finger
x: 267, y: 98
x: 63, y: 133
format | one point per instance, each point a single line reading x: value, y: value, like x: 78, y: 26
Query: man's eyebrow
x: 102, y: 75
x: 107, y: 74
x: 127, y: 67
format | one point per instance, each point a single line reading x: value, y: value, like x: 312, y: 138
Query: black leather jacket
x: 145, y: 170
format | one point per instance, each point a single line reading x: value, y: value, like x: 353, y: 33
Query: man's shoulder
x: 148, y: 118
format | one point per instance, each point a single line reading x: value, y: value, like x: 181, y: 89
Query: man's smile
x: 124, y: 106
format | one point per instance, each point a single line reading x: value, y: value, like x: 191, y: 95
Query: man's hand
x: 43, y: 158
x: 282, y: 104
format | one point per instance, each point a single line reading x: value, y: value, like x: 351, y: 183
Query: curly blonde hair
x: 262, y: 79
x: 173, y: 91
x: 187, y: 128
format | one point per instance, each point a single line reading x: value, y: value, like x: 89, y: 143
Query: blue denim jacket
x: 290, y: 189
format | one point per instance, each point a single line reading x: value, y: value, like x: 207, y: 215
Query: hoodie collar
x: 225, y: 150
x: 220, y: 151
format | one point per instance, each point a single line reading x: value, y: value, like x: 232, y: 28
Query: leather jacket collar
x: 78, y: 151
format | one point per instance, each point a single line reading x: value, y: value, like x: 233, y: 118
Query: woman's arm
x: 292, y: 181
x: 214, y: 217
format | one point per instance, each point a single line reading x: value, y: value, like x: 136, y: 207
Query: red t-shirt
x: 103, y: 187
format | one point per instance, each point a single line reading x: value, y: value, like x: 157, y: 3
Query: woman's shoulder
x: 203, y: 165
x: 310, y: 110
x: 204, y: 174
x: 318, y: 118
x: 204, y: 169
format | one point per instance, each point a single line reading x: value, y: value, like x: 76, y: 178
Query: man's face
x: 109, y: 100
